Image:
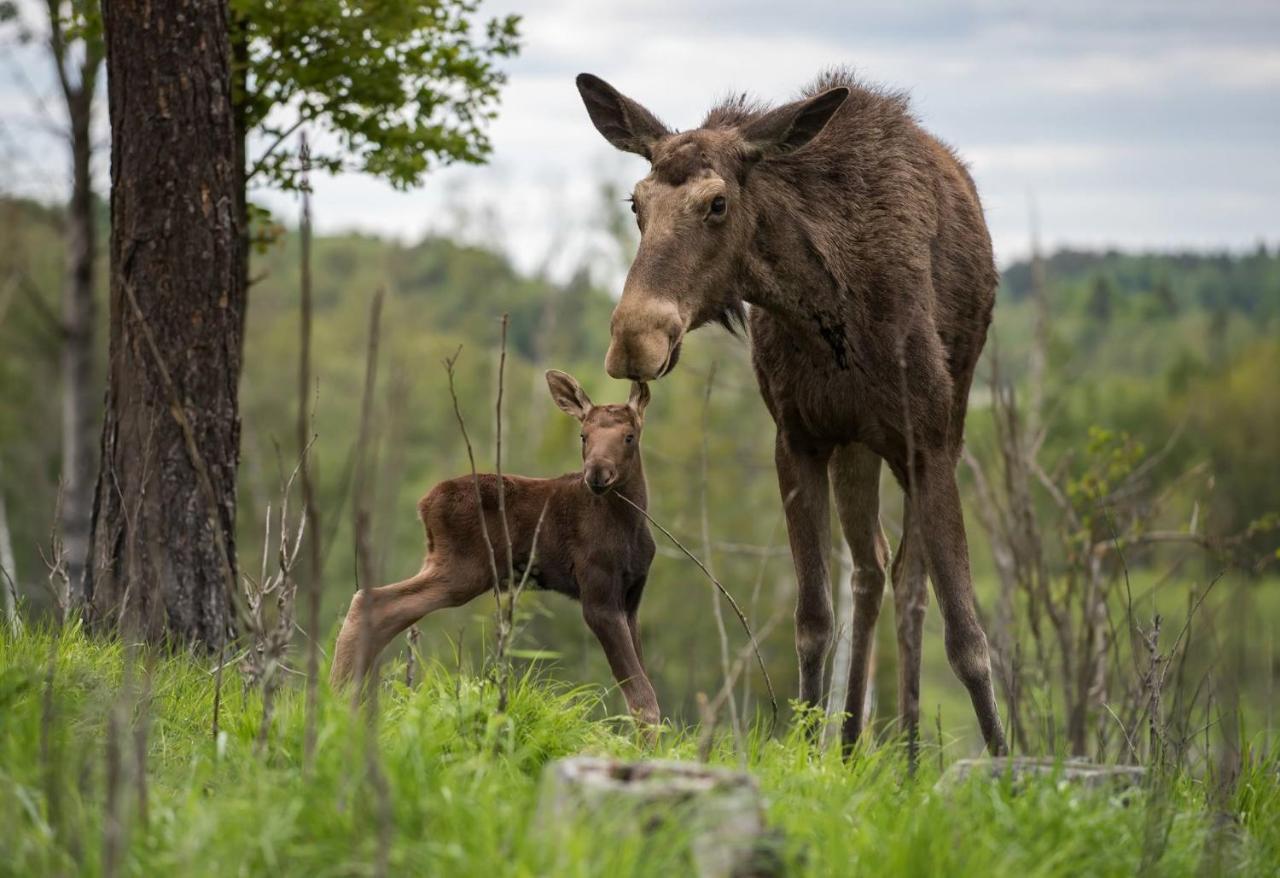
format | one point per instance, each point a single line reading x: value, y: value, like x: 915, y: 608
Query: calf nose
x: 600, y: 478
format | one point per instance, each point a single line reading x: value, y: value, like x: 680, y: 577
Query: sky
x: 1146, y: 124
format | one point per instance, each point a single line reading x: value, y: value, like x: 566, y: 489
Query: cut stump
x: 718, y: 808
x: 1076, y: 772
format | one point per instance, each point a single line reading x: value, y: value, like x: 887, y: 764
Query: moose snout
x: 644, y: 340
x: 600, y: 477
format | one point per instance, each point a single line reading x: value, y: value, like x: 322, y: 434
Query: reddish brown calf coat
x: 592, y: 546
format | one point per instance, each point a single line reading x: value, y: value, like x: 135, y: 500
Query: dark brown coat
x: 859, y: 242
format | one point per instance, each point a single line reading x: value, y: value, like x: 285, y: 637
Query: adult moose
x: 859, y: 241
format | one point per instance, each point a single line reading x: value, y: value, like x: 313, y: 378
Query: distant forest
x: 1172, y: 356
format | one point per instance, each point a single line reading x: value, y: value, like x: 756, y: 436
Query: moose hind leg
x: 855, y: 476
x: 377, y: 615
x: 937, y: 509
x: 910, y: 600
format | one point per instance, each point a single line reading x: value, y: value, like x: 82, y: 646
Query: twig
x: 504, y: 623
x: 360, y: 488
x: 734, y: 721
x: 449, y: 364
x: 710, y: 710
x: 773, y: 698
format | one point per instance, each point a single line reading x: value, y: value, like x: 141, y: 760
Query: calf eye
x: 631, y: 437
x: 718, y: 205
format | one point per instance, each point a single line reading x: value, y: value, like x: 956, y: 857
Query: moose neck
x: 783, y: 271
x: 631, y: 484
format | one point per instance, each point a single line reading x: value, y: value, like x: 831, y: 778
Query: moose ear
x: 623, y: 122
x: 792, y: 126
x: 639, y: 397
x: 568, y: 394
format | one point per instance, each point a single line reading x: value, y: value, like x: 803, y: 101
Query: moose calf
x: 592, y: 546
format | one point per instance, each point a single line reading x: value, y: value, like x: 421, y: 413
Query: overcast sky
x: 1150, y: 124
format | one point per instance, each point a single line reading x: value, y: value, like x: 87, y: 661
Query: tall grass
x: 464, y: 785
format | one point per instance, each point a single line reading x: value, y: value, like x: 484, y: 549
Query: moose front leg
x: 608, y: 621
x: 802, y: 478
x: 855, y: 474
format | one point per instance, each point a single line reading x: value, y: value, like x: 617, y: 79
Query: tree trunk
x: 163, y: 536
x: 78, y: 405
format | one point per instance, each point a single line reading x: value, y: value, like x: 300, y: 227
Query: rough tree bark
x: 78, y: 82
x: 162, y: 543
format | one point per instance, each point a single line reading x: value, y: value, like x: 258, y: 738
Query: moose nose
x: 600, y: 478
x: 643, y: 340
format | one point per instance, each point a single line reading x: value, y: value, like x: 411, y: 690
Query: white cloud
x: 1137, y: 124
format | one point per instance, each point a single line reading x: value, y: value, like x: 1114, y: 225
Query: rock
x: 719, y: 808
x: 1077, y: 772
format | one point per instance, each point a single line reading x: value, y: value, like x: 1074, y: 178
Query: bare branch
x: 773, y: 698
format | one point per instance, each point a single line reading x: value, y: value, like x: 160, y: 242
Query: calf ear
x: 792, y: 126
x: 623, y: 122
x: 568, y: 394
x: 639, y: 397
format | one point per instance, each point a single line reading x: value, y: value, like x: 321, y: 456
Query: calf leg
x: 855, y: 476
x: 375, y: 617
x: 802, y: 478
x: 608, y: 621
x: 937, y: 508
x: 633, y: 623
x: 910, y: 599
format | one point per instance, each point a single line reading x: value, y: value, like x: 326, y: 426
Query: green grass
x: 463, y: 784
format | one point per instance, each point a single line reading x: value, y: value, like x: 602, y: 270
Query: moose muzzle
x: 645, y: 338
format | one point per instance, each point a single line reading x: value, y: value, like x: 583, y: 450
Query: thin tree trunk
x: 78, y: 415
x: 166, y: 489
x: 315, y: 563
x: 78, y: 317
x: 365, y: 466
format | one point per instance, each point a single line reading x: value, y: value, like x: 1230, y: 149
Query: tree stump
x: 719, y: 809
x: 1077, y: 772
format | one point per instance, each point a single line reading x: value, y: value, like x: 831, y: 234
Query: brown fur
x: 859, y: 242
x: 592, y: 547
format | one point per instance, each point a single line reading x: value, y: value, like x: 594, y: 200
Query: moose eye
x: 583, y: 437
x: 634, y: 209
x: 718, y: 205
x: 631, y: 437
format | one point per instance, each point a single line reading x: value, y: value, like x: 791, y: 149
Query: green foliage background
x: 1189, y: 351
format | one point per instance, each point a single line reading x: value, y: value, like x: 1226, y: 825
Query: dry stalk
x: 506, y: 621
x: 735, y: 722
x: 710, y: 710
x: 58, y: 581
x: 363, y: 561
x: 270, y: 601
x: 449, y: 364
x: 410, y: 654
x: 305, y: 437
x: 746, y: 626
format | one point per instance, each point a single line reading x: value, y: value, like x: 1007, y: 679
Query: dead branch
x: 746, y: 626
x: 704, y: 488
x: 305, y: 436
